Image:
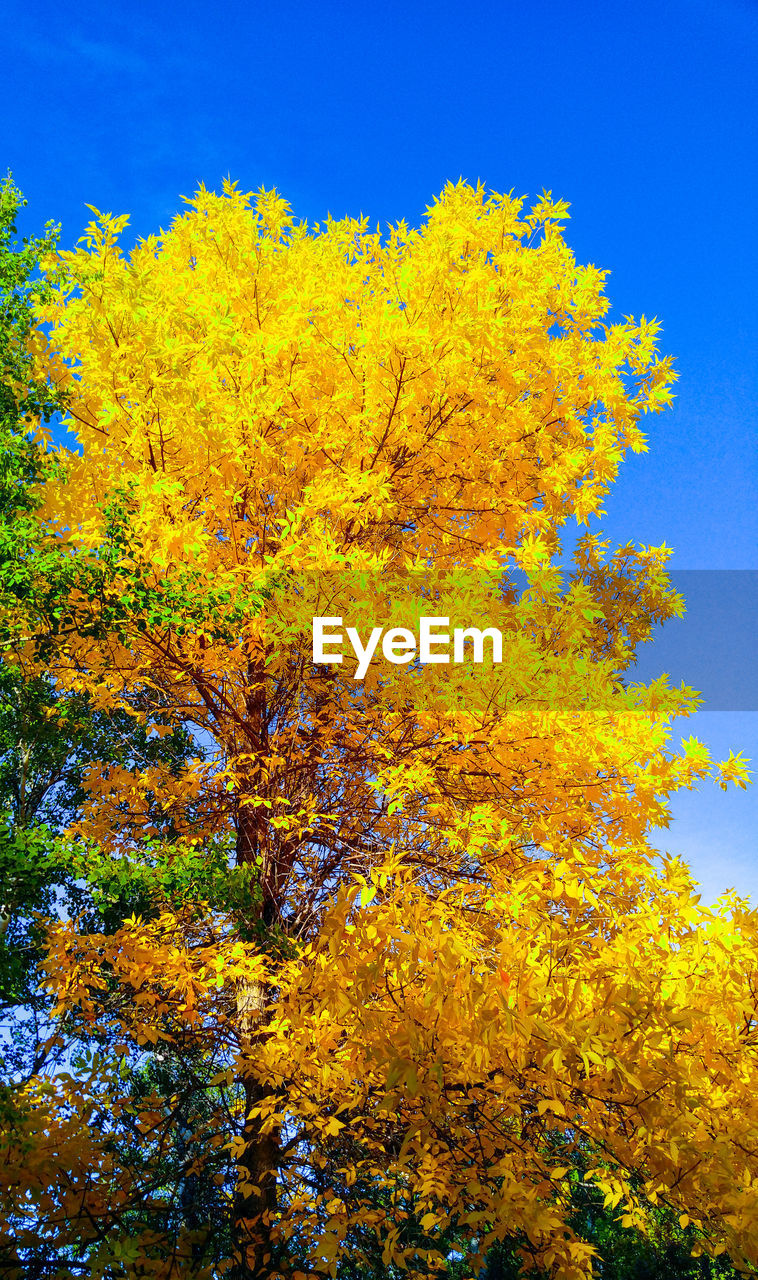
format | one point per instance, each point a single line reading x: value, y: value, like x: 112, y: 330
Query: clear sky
x: 643, y: 116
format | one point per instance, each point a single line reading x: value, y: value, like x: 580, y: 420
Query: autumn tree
x: 48, y: 737
x: 448, y: 962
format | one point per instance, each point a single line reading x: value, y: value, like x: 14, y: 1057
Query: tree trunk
x: 253, y: 1213
x: 255, y: 1200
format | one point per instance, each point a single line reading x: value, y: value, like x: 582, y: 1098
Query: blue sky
x: 643, y: 116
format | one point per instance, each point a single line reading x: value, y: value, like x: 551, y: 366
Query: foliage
x: 446, y: 968
x: 23, y: 393
x: 48, y: 738
x: 30, y: 871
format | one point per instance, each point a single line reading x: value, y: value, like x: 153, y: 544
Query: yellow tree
x: 458, y: 965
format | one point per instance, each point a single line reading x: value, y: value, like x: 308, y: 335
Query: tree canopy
x: 383, y: 962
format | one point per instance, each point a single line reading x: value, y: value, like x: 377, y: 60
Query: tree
x: 30, y: 873
x: 452, y: 962
x: 48, y: 739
